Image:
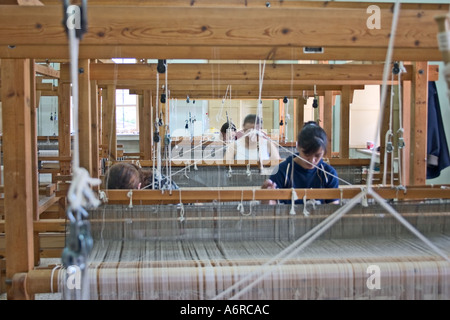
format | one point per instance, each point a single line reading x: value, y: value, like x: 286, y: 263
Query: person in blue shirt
x: 306, y: 169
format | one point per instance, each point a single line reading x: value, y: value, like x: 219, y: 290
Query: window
x: 127, y: 116
x: 126, y: 112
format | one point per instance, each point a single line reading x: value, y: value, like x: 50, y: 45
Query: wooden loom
x: 420, y: 50
x: 147, y: 252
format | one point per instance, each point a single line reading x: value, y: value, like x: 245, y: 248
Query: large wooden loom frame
x: 40, y: 36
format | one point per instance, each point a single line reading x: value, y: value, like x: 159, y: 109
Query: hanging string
x: 229, y: 172
x: 130, y: 195
x: 248, y: 171
x: 80, y: 194
x: 289, y: 252
x: 400, y: 141
x: 181, y: 208
x: 388, y: 142
x: 240, y: 206
x: 253, y: 203
x: 294, y: 198
x: 386, y: 71
x: 364, y: 201
x: 260, y: 113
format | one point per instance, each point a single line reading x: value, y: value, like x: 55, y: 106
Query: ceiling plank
x: 120, y: 26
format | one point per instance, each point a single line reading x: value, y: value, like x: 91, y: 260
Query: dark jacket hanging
x: 438, y: 157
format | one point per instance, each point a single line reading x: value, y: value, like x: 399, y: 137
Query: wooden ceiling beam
x: 247, y: 4
x: 243, y: 73
x: 119, y: 26
x: 53, y: 52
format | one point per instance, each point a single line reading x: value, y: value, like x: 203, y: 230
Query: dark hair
x: 312, y: 137
x: 124, y: 175
x: 227, y: 125
x: 252, y: 118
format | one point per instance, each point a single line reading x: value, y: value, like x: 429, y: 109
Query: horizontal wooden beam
x: 251, y: 4
x: 224, y: 73
x: 194, y: 196
x: 244, y: 73
x: 147, y: 26
x: 218, y: 52
x: 243, y: 164
x: 46, y: 71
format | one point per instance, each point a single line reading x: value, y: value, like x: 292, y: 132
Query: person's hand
x: 269, y: 184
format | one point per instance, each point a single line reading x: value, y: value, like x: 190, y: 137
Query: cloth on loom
x: 438, y: 157
x: 305, y: 178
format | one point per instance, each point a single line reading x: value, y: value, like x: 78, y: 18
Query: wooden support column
x: 327, y: 122
x: 109, y: 135
x: 84, y: 116
x: 384, y: 129
x: 299, y: 116
x: 34, y: 104
x: 321, y: 110
x: 95, y: 135
x: 64, y: 136
x: 419, y: 123
x: 17, y: 163
x: 145, y: 125
x: 344, y: 137
x: 406, y: 117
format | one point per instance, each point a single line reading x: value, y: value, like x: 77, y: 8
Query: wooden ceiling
x: 222, y: 30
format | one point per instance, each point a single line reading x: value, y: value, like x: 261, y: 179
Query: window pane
x: 126, y: 119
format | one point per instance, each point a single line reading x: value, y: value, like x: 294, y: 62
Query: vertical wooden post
x: 95, y: 130
x: 419, y: 123
x: 344, y: 137
x: 384, y: 129
x: 84, y: 116
x: 406, y: 117
x: 109, y: 135
x: 327, y: 122
x: 321, y: 110
x: 17, y: 163
x: 299, y: 115
x: 64, y: 136
x: 34, y: 104
x: 145, y: 125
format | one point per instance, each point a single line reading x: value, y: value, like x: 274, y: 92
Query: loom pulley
x: 79, y: 241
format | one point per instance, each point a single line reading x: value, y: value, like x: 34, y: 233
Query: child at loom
x: 124, y: 175
x: 306, y: 169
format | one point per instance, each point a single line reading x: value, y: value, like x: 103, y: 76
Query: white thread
x: 386, y: 71
x: 305, y: 211
x: 294, y: 197
x: 288, y: 252
x: 181, y: 206
x: 138, y: 163
x: 80, y: 194
x: 229, y: 173
x: 364, y: 202
x: 130, y: 195
x: 51, y: 277
x: 249, y: 172
x: 185, y: 171
x: 252, y: 203
x: 443, y: 40
x: 402, y: 220
x: 102, y: 196
x: 240, y: 206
